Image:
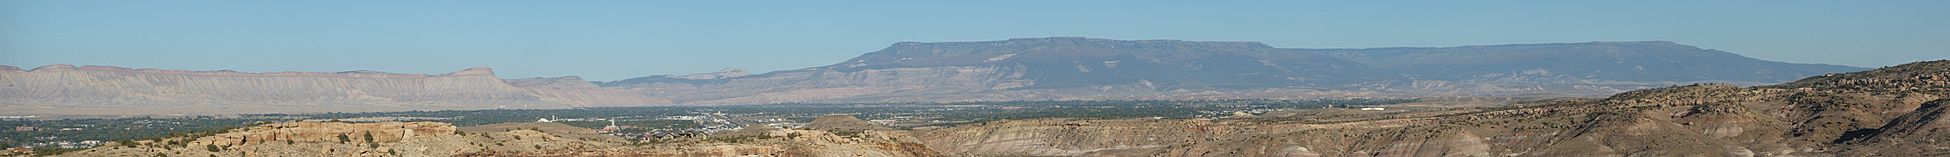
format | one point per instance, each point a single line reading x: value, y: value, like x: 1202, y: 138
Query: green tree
x: 212, y: 148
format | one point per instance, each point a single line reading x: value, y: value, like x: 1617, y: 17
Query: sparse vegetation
x: 369, y: 141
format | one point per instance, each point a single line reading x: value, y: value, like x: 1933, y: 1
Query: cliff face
x: 1894, y: 111
x: 101, y: 90
x: 1070, y: 68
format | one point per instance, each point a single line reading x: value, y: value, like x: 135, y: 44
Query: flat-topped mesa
x: 473, y: 71
x: 9, y: 68
x: 233, y: 72
x: 53, y: 67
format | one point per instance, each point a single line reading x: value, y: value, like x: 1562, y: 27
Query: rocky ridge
x: 1893, y: 111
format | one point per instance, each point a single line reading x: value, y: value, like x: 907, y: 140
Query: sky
x: 613, y: 40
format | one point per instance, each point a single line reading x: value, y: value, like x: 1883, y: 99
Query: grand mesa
x: 1024, y: 69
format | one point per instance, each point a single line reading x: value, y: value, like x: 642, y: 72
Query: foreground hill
x: 1064, y: 68
x: 103, y: 90
x: 1893, y: 111
x: 441, y: 139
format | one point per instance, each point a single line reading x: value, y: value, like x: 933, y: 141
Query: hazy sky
x: 610, y: 40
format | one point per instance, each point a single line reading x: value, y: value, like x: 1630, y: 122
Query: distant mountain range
x: 1070, y: 68
x: 104, y: 90
x: 1058, y: 68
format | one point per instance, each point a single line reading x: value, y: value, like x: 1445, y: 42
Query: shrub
x: 343, y: 139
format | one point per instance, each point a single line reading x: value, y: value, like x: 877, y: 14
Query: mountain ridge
x: 1056, y: 68
x: 1021, y: 67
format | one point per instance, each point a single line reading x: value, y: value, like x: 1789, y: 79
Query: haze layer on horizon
x: 612, y: 40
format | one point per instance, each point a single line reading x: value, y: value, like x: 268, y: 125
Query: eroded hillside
x: 441, y: 139
x: 1895, y: 111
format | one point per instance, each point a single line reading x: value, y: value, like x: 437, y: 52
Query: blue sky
x: 611, y: 40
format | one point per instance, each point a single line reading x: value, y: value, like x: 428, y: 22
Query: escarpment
x: 102, y: 90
